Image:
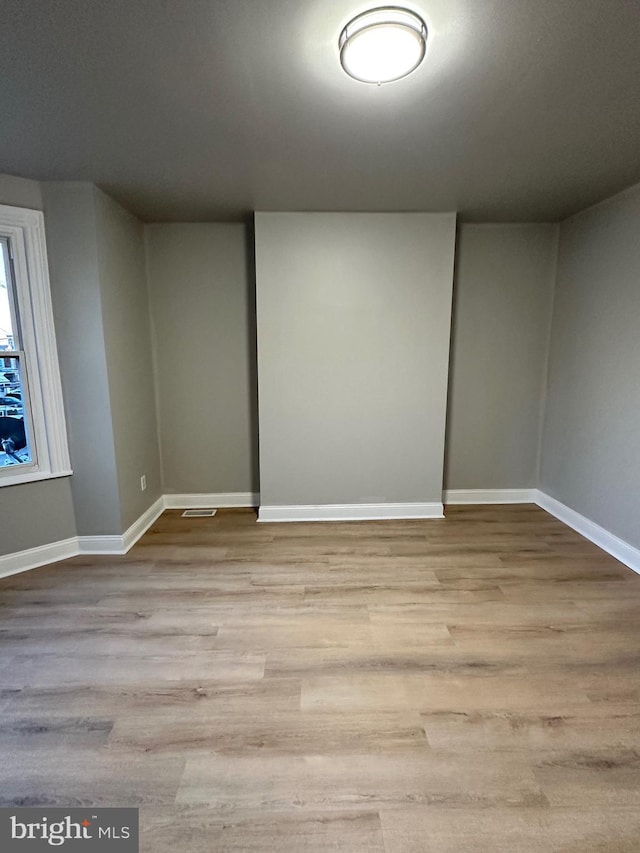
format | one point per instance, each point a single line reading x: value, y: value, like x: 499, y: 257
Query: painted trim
x: 613, y: 545
x: 115, y: 544
x: 107, y: 544
x: 489, y: 496
x: 32, y: 558
x: 142, y: 524
x: 350, y: 512
x: 25, y: 230
x: 221, y: 500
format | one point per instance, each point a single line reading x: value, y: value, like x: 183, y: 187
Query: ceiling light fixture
x: 383, y: 45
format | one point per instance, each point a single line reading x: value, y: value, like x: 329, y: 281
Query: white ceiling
x: 192, y: 110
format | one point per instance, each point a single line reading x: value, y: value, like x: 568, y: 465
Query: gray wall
x: 35, y: 514
x: 203, y: 318
x: 353, y: 347
x: 32, y: 514
x: 591, y: 440
x: 20, y: 192
x: 70, y: 220
x: 502, y: 311
x: 127, y: 338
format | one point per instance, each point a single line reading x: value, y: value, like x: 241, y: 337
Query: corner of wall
x: 20, y: 192
x: 553, y: 283
x: 122, y: 261
x: 146, y: 227
x: 71, y: 220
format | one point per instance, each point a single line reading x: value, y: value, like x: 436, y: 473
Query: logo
x: 32, y: 830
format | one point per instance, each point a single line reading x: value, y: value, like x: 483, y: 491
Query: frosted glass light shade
x: 382, y: 45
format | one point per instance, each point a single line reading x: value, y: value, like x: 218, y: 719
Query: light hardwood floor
x: 469, y: 685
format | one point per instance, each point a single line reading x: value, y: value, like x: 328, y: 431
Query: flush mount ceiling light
x: 383, y: 45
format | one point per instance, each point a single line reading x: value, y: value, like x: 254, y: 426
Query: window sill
x: 32, y: 477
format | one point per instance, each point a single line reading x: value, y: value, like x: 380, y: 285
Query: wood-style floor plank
x: 445, y: 686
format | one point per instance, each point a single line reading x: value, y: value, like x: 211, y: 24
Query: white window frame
x: 47, y: 431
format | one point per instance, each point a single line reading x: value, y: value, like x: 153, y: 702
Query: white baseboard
x: 350, y: 512
x: 101, y: 545
x: 142, y: 524
x: 222, y: 500
x: 114, y: 544
x: 32, y: 558
x: 489, y: 496
x: 610, y: 543
x: 23, y: 561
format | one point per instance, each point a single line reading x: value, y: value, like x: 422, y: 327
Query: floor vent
x: 199, y: 513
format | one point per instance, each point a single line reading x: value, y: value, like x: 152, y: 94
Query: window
x: 33, y: 440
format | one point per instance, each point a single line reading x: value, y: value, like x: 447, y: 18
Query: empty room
x: 320, y: 426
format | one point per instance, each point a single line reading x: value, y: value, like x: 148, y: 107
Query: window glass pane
x: 14, y: 438
x: 7, y: 332
x: 33, y: 441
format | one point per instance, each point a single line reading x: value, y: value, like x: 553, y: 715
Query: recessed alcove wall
x: 353, y: 321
